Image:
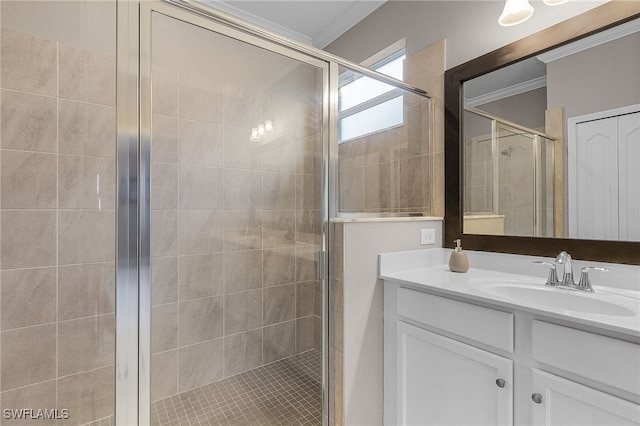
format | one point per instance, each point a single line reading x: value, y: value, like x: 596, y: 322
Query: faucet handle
x: 585, y: 281
x: 552, y: 278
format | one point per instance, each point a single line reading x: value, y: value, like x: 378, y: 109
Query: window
x: 366, y: 105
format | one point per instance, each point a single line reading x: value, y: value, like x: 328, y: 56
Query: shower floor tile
x: 285, y: 392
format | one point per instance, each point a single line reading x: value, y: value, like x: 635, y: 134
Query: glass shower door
x: 236, y: 224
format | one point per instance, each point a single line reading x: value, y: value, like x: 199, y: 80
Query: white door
x: 567, y: 403
x: 629, y: 176
x: 444, y: 382
x: 597, y: 179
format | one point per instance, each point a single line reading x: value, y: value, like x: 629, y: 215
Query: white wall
x: 470, y: 27
x: 363, y: 297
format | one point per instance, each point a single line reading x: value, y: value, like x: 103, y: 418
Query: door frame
x: 133, y: 278
x: 572, y: 169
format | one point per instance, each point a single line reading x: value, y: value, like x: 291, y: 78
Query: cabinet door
x: 629, y: 176
x: 441, y: 382
x: 567, y: 403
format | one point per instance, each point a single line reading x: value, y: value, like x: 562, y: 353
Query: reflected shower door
x: 236, y: 224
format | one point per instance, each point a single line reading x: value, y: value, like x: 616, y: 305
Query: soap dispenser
x: 458, y: 262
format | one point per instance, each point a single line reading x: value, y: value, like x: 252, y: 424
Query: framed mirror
x: 543, y: 141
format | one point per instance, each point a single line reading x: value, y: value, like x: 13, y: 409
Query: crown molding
x: 591, y: 41
x: 226, y: 7
x: 352, y: 16
x: 506, y: 92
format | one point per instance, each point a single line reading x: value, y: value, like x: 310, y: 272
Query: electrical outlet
x: 427, y: 237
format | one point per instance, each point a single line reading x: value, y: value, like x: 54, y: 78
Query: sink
x: 537, y: 294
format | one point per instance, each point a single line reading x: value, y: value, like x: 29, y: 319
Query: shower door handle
x: 321, y: 263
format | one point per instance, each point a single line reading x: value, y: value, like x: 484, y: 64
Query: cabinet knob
x: 501, y: 383
x: 537, y: 398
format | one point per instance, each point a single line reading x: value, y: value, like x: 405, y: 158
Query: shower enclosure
x: 167, y: 177
x: 509, y: 177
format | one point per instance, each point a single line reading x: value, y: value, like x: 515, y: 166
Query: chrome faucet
x: 565, y: 259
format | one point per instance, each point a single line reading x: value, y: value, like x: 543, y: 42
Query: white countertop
x: 429, y: 269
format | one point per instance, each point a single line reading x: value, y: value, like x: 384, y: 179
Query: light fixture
x: 515, y: 12
x: 254, y: 135
x: 554, y: 2
x: 260, y: 129
x: 268, y: 126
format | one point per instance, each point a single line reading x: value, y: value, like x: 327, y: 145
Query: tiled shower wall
x: 389, y: 171
x: 57, y: 198
x: 235, y: 229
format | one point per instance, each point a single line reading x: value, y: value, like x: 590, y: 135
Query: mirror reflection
x: 552, y: 143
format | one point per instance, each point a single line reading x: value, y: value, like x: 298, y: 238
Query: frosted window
x: 379, y: 117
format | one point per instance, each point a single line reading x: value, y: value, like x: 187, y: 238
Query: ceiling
x: 313, y: 22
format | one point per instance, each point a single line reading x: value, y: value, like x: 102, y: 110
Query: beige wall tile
x: 38, y: 396
x: 96, y: 337
x: 164, y: 327
x: 201, y: 188
x: 165, y: 84
x: 381, y: 190
x: 242, y: 311
x: 309, y: 154
x: 306, y: 262
x: 86, y: 129
x: 242, y: 189
x: 86, y: 236
x: 165, y: 139
x: 308, y: 192
x: 308, y: 225
x: 28, y: 180
x: 280, y: 110
x: 86, y: 290
x: 242, y: 352
x: 164, y: 280
x: 308, y: 117
x: 201, y: 231
x: 28, y: 297
x: 200, y: 364
x: 164, y: 186
x: 279, y: 304
x: 351, y: 189
x: 200, y: 320
x: 198, y: 103
x: 72, y: 65
x: 279, y: 152
x: 164, y: 233
x: 381, y: 147
x: 101, y: 78
x: 279, y: 191
x: 305, y: 294
x: 200, y: 143
x: 317, y: 333
x: 242, y: 230
x: 28, y: 356
x: 414, y: 137
x: 201, y: 276
x: 242, y: 107
x: 164, y: 375
x: 239, y: 151
x: 242, y: 271
x: 28, y: 122
x: 317, y: 299
x: 351, y: 154
x: 414, y: 175
x: 279, y: 341
x: 305, y: 334
x: 88, y: 395
x: 279, y: 266
x: 21, y: 52
x: 86, y: 182
x: 279, y: 228
x: 28, y: 239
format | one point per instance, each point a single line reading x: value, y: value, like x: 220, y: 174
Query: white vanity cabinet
x: 433, y: 379
x: 445, y: 359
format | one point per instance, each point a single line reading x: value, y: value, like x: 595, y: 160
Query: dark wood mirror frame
x: 598, y: 19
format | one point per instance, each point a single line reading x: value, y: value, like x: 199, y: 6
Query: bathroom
x: 191, y: 218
